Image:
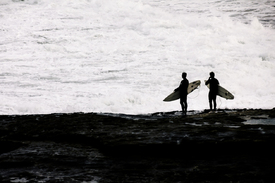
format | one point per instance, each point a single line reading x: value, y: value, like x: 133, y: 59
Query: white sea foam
x: 127, y: 56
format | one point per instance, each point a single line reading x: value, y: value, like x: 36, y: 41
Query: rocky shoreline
x: 226, y: 146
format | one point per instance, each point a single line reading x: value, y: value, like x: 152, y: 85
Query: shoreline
x: 158, y: 147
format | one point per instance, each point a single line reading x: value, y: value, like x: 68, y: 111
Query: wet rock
x: 160, y: 147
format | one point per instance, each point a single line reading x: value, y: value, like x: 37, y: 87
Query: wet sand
x: 226, y: 146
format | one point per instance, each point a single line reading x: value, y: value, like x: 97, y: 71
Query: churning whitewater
x: 126, y: 56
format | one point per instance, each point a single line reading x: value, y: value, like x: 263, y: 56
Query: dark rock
x: 159, y: 147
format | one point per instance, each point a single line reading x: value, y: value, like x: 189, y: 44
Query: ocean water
x: 126, y: 56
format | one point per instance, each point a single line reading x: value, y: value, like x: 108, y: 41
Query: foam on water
x: 127, y: 56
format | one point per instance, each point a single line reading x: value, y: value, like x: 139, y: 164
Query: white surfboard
x: 176, y: 95
x: 222, y: 92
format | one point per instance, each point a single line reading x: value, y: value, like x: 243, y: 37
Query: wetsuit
x: 214, y: 83
x: 183, y: 94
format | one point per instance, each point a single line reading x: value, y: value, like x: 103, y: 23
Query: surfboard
x: 222, y: 92
x: 176, y: 95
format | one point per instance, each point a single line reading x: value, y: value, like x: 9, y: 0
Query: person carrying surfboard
x: 183, y: 92
x: 214, y: 84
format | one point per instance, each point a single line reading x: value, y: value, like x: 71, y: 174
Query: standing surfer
x: 183, y: 93
x: 214, y: 83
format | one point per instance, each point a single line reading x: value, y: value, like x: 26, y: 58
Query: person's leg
x: 210, y: 101
x: 185, y: 104
x: 181, y: 103
x: 215, y: 103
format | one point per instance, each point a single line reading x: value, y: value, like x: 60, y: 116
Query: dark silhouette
x: 183, y: 93
x: 214, y: 83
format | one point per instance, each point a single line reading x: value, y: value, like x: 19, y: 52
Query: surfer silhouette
x: 214, y: 83
x: 183, y: 92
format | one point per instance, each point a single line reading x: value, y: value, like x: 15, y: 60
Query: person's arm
x: 207, y: 82
x: 177, y: 89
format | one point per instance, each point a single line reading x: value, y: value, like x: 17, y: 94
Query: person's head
x: 212, y: 74
x: 184, y: 75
